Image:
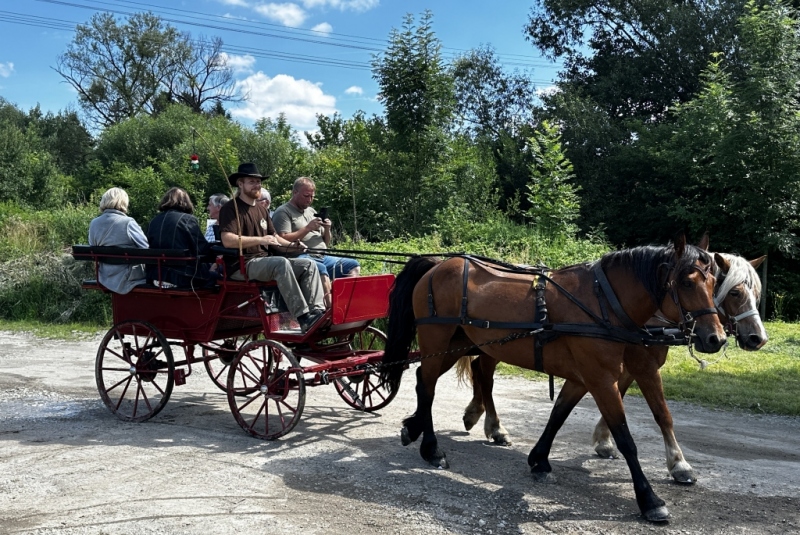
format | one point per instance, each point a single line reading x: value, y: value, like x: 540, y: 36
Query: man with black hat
x: 244, y: 222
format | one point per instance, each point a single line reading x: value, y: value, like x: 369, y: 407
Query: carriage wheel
x: 218, y: 355
x: 265, y: 397
x: 134, y: 371
x: 365, y: 392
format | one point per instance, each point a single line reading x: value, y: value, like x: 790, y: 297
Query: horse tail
x: 464, y: 370
x: 402, y: 328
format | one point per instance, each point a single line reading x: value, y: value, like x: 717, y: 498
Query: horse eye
x: 687, y: 283
x: 735, y: 293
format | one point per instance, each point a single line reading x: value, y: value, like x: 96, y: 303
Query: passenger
x: 266, y: 201
x: 298, y: 221
x: 251, y: 228
x: 215, y: 202
x: 113, y: 228
x: 174, y: 227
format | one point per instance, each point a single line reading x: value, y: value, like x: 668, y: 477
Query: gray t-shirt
x: 287, y: 218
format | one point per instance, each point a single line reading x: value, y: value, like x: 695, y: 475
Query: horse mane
x: 650, y: 265
x: 740, y: 272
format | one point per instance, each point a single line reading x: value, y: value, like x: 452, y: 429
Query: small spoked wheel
x: 266, y: 390
x: 218, y: 355
x: 134, y: 370
x: 366, y: 391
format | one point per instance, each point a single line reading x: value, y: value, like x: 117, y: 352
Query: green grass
x: 55, y: 331
x: 764, y: 381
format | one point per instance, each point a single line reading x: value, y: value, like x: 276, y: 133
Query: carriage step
x: 179, y: 375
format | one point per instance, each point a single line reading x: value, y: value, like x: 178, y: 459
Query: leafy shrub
x: 47, y: 288
x: 28, y: 232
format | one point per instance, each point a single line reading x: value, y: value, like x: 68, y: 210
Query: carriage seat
x: 133, y: 255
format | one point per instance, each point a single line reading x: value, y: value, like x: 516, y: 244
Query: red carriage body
x: 248, y: 343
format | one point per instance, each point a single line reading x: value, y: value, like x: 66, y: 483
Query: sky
x: 297, y: 57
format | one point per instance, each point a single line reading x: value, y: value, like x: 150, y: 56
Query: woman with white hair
x: 113, y: 227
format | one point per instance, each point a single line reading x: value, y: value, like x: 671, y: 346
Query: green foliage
x: 495, y: 237
x: 122, y: 69
x: 46, y: 287
x: 553, y: 198
x: 26, y: 232
x: 415, y: 87
x: 767, y: 381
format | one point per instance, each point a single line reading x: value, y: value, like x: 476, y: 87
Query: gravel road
x: 68, y: 466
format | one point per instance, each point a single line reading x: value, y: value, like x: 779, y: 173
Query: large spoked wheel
x: 365, y: 392
x: 134, y: 371
x: 266, y: 391
x: 218, y: 355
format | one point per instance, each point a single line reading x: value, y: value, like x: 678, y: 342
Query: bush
x: 47, y: 288
x: 27, y: 232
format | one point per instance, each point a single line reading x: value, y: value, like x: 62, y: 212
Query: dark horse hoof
x: 440, y: 462
x: 405, y: 438
x: 543, y: 477
x: 659, y: 514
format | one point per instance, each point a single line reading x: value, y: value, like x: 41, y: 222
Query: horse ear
x: 704, y: 242
x: 680, y: 245
x: 757, y: 261
x: 722, y: 262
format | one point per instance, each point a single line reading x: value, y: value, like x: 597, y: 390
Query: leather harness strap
x: 541, y: 329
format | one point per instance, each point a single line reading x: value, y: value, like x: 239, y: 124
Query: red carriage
x: 248, y: 344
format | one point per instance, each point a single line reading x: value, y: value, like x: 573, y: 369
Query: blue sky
x: 299, y: 57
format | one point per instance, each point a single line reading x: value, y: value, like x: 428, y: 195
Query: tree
x: 634, y: 57
x: 121, y: 69
x: 415, y: 87
x: 553, y: 198
x: 418, y: 94
x: 489, y: 100
x: 203, y: 78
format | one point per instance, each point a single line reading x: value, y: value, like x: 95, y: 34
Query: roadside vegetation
x: 467, y: 157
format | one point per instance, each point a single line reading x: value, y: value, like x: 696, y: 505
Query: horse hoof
x: 682, y: 473
x: 606, y: 452
x: 469, y: 422
x: 440, y: 463
x: 405, y: 438
x: 659, y: 514
x: 543, y: 477
x: 501, y: 440
x: 684, y: 478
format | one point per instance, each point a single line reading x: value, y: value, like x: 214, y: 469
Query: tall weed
x: 27, y: 232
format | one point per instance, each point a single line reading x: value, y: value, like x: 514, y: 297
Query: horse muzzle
x: 708, y: 342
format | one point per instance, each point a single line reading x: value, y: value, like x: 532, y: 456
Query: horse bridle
x: 689, y: 317
x: 731, y: 322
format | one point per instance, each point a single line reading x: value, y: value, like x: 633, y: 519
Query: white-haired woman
x: 113, y: 227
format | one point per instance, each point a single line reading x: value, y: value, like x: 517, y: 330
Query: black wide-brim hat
x: 245, y: 170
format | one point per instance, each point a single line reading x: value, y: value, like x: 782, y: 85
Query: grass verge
x: 54, y: 331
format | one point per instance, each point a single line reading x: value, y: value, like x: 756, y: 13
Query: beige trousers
x: 298, y: 281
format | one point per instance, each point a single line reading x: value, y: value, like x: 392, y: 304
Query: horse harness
x: 543, y: 331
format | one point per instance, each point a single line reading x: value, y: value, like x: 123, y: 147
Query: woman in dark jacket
x: 176, y: 228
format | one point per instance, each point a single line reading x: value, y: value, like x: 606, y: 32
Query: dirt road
x: 67, y: 466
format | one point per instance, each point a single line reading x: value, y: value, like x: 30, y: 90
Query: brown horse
x: 736, y: 296
x: 592, y: 312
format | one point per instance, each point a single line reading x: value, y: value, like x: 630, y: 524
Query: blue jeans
x: 333, y: 266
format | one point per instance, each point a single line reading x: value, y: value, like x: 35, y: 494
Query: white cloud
x: 286, y: 14
x: 299, y: 100
x: 239, y: 63
x: 547, y: 91
x: 323, y: 27
x: 354, y: 90
x: 239, y: 3
x: 6, y: 69
x: 342, y: 5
